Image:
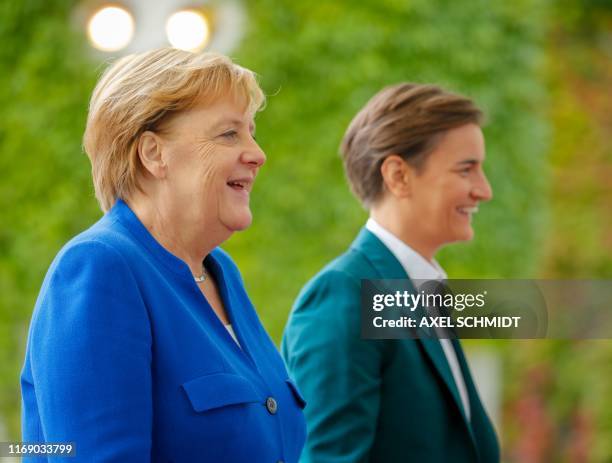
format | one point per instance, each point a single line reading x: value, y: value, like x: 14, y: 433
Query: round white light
x: 111, y: 28
x: 187, y: 30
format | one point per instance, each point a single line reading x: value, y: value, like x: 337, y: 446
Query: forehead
x: 223, y: 111
x: 458, y: 145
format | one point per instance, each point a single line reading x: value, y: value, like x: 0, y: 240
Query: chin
x: 459, y: 234
x: 466, y: 235
x: 240, y: 222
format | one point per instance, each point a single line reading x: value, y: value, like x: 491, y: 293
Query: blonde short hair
x: 138, y: 93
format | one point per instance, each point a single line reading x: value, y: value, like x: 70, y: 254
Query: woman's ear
x: 397, y: 176
x: 150, y: 154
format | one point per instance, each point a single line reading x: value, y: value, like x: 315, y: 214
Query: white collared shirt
x: 419, y: 268
x: 232, y: 333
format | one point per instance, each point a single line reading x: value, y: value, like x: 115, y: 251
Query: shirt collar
x: 415, y: 265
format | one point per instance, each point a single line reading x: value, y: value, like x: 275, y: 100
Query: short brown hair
x: 139, y: 93
x: 406, y: 119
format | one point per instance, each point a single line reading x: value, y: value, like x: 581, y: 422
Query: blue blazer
x: 126, y: 359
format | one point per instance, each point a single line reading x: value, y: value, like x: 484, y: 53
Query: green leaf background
x: 319, y: 62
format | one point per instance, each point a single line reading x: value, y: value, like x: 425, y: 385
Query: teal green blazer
x: 376, y: 400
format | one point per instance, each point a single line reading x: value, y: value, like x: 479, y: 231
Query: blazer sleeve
x: 90, y: 357
x: 337, y: 372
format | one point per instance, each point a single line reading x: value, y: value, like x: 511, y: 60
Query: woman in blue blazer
x: 144, y: 346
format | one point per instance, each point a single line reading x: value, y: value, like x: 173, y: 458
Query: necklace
x: 202, y: 277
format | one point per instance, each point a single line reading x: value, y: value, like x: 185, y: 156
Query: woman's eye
x: 230, y: 134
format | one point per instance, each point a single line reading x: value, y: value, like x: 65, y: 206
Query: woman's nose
x: 482, y: 189
x: 254, y: 155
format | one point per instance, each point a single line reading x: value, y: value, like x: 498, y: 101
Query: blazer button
x: 271, y: 405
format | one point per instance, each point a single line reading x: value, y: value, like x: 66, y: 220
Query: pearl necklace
x: 202, y: 277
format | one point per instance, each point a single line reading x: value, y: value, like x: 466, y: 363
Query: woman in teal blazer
x: 144, y: 346
x: 413, y: 155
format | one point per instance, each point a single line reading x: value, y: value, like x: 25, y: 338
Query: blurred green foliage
x: 572, y: 380
x: 318, y: 63
x: 45, y: 192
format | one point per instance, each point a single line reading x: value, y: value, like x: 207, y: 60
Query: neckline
x: 126, y: 217
x: 123, y: 214
x: 225, y: 294
x: 416, y: 266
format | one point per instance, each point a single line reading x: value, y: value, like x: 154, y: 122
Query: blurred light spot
x: 111, y: 28
x: 187, y: 30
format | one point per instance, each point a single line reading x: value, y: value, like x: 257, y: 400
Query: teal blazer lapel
x: 434, y: 350
x: 381, y: 258
x: 388, y: 267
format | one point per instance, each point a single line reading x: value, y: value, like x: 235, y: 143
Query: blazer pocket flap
x: 296, y: 393
x: 218, y: 390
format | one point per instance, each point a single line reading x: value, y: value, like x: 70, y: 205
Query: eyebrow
x: 232, y: 122
x: 471, y: 162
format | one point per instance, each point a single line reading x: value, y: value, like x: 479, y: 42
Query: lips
x: 467, y: 210
x: 241, y: 184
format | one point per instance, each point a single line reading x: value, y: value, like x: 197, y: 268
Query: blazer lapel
x: 434, y: 351
x: 388, y: 267
x: 383, y: 260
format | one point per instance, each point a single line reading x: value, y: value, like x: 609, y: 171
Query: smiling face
x: 446, y: 193
x: 211, y: 161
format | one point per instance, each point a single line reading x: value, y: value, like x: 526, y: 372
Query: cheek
x: 206, y: 176
x: 439, y: 201
x: 206, y: 172
x: 192, y: 160
x: 205, y: 162
x: 196, y: 185
x: 446, y: 205
x: 456, y: 194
